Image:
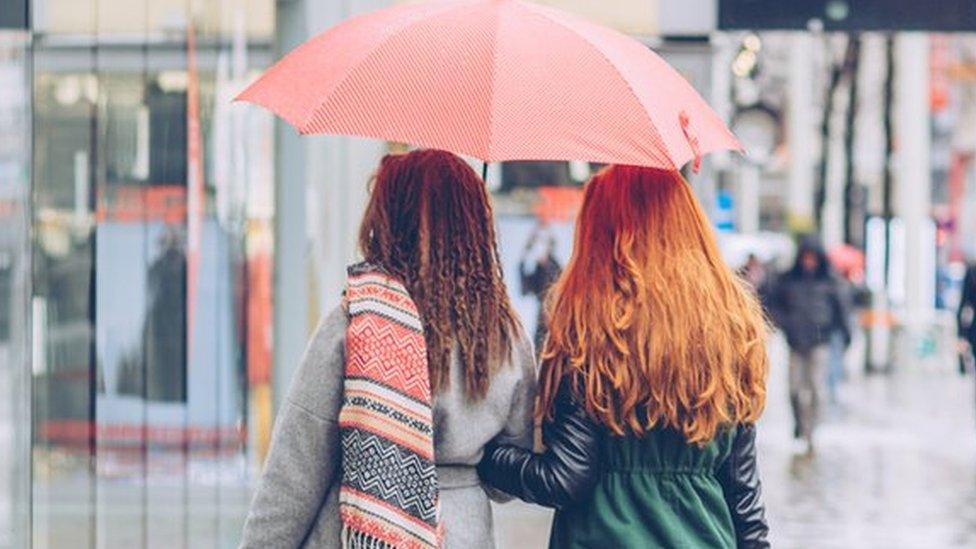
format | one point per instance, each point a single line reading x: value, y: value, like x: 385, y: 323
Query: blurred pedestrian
x: 151, y: 373
x: 538, y: 270
x: 808, y: 304
x: 838, y: 344
x: 654, y: 375
x: 966, y: 315
x: 363, y: 453
x: 756, y: 274
x: 847, y: 262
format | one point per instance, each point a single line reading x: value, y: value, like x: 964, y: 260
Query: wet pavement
x: 895, y: 467
x: 895, y: 464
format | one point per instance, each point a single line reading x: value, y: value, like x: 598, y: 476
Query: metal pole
x: 853, y: 218
x: 822, y: 192
x: 886, y: 184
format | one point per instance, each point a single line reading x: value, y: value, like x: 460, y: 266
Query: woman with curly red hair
x: 403, y: 386
x: 652, y: 379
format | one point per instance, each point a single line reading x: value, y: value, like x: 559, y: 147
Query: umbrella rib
x: 594, y: 47
x: 314, y: 111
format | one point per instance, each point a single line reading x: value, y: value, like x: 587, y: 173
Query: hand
x: 962, y: 346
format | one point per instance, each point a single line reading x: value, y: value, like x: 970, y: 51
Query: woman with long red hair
x: 404, y: 384
x: 652, y: 379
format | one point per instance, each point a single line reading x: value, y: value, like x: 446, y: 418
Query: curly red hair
x: 429, y: 221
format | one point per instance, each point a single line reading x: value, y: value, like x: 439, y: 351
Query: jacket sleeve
x: 739, y: 476
x: 518, y: 429
x: 776, y: 301
x: 303, y: 461
x: 519, y: 426
x: 564, y: 474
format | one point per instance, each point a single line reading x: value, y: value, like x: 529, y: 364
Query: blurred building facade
x: 15, y: 484
x: 139, y: 273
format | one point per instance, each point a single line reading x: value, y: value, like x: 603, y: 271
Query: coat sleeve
x: 739, y: 476
x: 519, y: 426
x: 776, y: 301
x: 562, y: 475
x: 303, y: 461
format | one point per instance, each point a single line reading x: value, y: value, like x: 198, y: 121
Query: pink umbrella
x: 847, y: 259
x: 497, y: 80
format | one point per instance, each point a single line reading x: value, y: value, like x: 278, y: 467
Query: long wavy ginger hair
x: 429, y: 222
x: 650, y: 323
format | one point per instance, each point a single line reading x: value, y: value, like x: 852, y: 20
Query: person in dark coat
x: 966, y: 315
x: 537, y: 280
x: 652, y: 380
x: 808, y: 304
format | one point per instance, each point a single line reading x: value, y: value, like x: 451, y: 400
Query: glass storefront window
x: 151, y: 249
x: 14, y: 288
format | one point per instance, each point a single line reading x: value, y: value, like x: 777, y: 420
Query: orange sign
x: 138, y: 203
x: 558, y: 203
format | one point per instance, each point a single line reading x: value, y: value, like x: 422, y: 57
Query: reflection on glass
x: 151, y: 294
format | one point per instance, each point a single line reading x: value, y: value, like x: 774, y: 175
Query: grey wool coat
x: 296, y: 503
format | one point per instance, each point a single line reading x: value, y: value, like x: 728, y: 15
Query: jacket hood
x: 806, y: 245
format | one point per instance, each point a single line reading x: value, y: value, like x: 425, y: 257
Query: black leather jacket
x: 570, y: 467
x: 739, y: 476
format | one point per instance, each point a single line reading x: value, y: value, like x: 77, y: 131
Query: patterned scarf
x: 389, y: 494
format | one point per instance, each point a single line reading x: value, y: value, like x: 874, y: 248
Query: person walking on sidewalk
x: 808, y: 304
x: 537, y: 281
x: 403, y: 385
x: 652, y: 379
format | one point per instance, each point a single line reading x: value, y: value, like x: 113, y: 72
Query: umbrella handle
x: 692, y: 139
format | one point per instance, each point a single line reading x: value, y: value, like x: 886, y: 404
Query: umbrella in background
x: 497, y: 80
x: 848, y: 260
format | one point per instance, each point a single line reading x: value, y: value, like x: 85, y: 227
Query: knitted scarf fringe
x: 354, y: 539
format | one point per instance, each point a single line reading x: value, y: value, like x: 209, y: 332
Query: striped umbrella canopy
x: 497, y: 80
